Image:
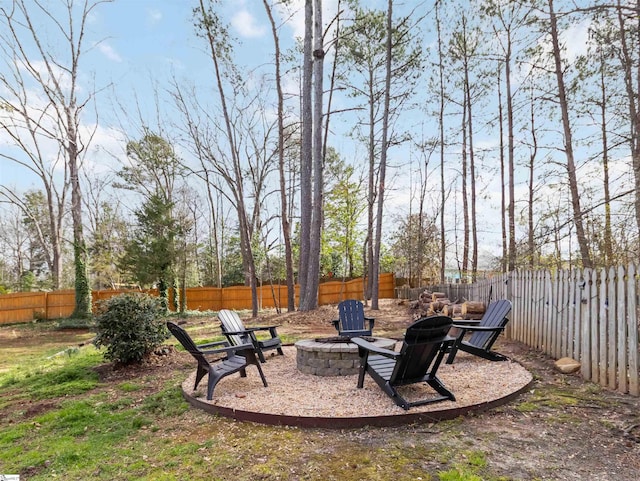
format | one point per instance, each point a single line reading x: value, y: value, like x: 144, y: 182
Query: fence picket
x: 621, y: 328
x: 585, y: 321
x: 611, y: 329
x: 602, y: 327
x: 554, y: 302
x: 632, y: 329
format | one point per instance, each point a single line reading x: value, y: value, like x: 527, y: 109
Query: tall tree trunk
x: 465, y: 195
x: 568, y: 142
x: 284, y: 202
x: 371, y: 197
x: 532, y: 159
x: 311, y: 158
x: 632, y: 98
x: 511, y: 161
x: 306, y: 150
x: 245, y: 233
x: 503, y: 195
x: 313, y: 279
x: 443, y: 244
x: 82, y: 288
x: 608, y: 237
x: 472, y: 172
x: 375, y: 269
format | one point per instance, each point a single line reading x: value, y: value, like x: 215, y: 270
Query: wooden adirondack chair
x: 233, y: 328
x: 483, y: 335
x: 237, y: 358
x: 352, y: 320
x: 425, y: 344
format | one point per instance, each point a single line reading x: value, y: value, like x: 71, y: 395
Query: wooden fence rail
x: 589, y: 315
x: 27, y: 306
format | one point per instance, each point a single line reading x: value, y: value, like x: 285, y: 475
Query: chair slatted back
x: 495, y: 316
x: 422, y: 343
x: 183, y: 337
x: 231, y: 322
x: 351, y: 313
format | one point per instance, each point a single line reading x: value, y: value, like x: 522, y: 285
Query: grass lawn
x: 66, y: 414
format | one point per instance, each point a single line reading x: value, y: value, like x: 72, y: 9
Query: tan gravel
x: 290, y: 393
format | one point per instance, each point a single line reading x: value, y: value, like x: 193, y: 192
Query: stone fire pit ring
x: 333, y: 356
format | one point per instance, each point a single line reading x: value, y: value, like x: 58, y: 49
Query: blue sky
x: 141, y: 44
x: 135, y: 46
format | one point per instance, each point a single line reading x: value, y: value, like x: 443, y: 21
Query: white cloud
x: 576, y: 39
x: 246, y: 25
x: 109, y: 52
x: 153, y: 16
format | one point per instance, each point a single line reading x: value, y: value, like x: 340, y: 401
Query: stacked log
x: 440, y: 305
x: 422, y: 305
x: 439, y: 301
x: 473, y: 310
x: 434, y: 303
x: 453, y: 310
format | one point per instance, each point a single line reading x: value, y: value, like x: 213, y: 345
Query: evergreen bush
x: 131, y: 326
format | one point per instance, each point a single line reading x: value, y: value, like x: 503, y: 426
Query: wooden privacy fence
x: 26, y: 306
x: 589, y: 315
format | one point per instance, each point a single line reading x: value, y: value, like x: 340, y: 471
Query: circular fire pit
x: 333, y: 356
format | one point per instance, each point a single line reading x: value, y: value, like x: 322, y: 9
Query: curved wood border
x: 351, y: 422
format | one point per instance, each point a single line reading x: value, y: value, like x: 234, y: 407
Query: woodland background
x: 436, y: 140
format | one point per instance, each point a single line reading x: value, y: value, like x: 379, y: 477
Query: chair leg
x: 250, y: 356
x: 436, y: 384
x: 264, y: 380
x: 361, y: 371
x: 452, y: 354
x: 260, y: 355
x: 200, y: 373
x: 214, y: 377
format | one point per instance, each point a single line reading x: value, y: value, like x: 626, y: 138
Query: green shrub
x: 130, y: 326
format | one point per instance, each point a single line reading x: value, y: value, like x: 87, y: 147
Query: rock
x: 566, y: 365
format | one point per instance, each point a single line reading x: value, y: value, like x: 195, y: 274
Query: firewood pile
x: 433, y: 303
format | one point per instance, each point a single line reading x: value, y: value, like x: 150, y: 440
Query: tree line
x: 460, y: 111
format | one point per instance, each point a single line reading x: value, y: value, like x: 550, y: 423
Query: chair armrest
x: 466, y: 322
x: 261, y: 328
x: 369, y: 346
x: 232, y: 349
x: 238, y: 333
x: 211, y: 344
x: 479, y: 328
x: 271, y: 329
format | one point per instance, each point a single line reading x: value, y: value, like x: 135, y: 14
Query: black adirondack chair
x: 483, y: 335
x: 235, y: 332
x: 352, y: 320
x: 425, y: 344
x: 237, y: 358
